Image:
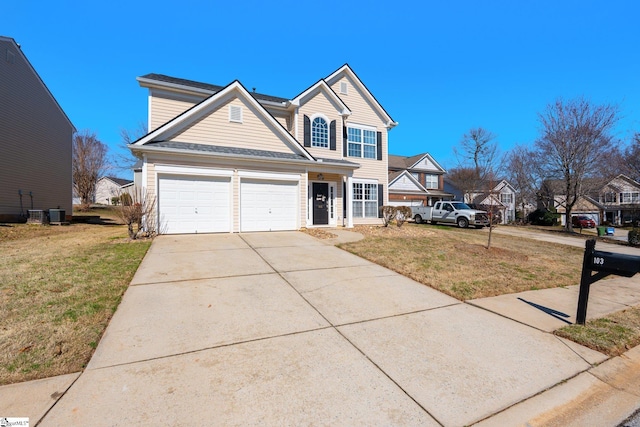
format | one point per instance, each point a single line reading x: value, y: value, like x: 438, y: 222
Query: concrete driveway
x: 281, y: 328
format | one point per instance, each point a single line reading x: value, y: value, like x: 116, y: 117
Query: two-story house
x: 416, y: 181
x: 498, y: 197
x: 36, y: 137
x: 619, y: 201
x: 615, y: 201
x: 225, y: 159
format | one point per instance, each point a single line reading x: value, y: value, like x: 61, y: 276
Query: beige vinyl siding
x: 163, y: 108
x: 284, y: 118
x: 230, y: 164
x: 36, y: 140
x: 321, y: 104
x: 255, y: 132
x: 364, y: 113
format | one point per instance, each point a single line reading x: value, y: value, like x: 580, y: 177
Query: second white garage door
x: 268, y: 205
x: 189, y: 204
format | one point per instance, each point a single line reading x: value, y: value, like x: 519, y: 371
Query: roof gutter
x: 164, y: 150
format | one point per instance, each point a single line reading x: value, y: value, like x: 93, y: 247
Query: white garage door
x: 268, y: 205
x: 189, y: 204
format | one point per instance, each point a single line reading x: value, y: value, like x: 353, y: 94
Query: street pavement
x: 282, y: 328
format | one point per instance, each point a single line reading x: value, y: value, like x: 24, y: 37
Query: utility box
x: 36, y: 216
x: 56, y: 215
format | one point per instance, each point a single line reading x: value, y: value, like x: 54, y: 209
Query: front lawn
x: 456, y: 261
x: 59, y: 287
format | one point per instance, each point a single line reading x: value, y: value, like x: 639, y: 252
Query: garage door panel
x: 268, y: 205
x: 194, y: 204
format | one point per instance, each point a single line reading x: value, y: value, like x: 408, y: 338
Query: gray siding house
x: 35, y: 139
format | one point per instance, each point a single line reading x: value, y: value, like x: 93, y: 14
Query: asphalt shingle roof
x: 204, y: 148
x: 206, y: 86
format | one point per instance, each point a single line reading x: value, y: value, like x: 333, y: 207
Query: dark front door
x: 320, y: 203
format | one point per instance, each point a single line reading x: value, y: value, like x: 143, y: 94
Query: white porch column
x: 350, y: 202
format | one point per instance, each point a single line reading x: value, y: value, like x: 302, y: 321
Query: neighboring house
x: 619, y: 200
x: 500, y: 198
x: 616, y: 201
x: 223, y: 159
x: 109, y: 187
x: 416, y: 181
x: 36, y: 137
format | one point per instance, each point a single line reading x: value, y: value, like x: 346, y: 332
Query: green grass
x: 59, y: 287
x: 613, y: 334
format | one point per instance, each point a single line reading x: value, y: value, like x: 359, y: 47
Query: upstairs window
x: 629, y: 197
x: 506, y: 198
x: 319, y: 133
x: 609, y: 197
x: 431, y: 181
x: 361, y: 142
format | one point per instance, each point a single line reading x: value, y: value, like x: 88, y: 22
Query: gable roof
x: 346, y: 70
x: 212, y: 103
x: 118, y: 181
x: 394, y: 177
x: 321, y: 85
x: 402, y: 162
x: 18, y: 49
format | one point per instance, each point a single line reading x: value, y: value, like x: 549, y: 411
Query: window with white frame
x: 629, y: 197
x: 361, y: 142
x: 319, y: 133
x: 431, y: 181
x: 506, y: 197
x: 365, y: 200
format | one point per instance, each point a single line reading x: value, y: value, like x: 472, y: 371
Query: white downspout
x: 350, y: 202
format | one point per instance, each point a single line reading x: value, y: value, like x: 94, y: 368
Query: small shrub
x: 634, y: 237
x: 403, y: 213
x: 115, y: 200
x: 388, y: 212
x: 543, y: 217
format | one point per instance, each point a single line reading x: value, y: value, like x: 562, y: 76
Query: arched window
x: 319, y: 133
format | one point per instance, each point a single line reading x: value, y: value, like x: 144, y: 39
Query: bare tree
x: 523, y: 174
x: 89, y: 163
x: 125, y: 161
x: 479, y: 150
x: 575, y: 139
x: 630, y: 159
x: 466, y: 180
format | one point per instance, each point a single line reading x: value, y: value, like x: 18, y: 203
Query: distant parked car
x: 582, y: 221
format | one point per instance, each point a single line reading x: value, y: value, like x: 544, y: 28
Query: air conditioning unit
x: 36, y: 216
x: 56, y: 215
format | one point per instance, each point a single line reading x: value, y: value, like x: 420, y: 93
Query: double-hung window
x: 431, y: 181
x: 361, y: 142
x: 365, y: 200
x: 506, y: 198
x: 319, y: 133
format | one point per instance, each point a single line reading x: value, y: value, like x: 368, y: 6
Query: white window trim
x: 328, y: 122
x: 344, y: 88
x: 427, y: 181
x: 362, y: 144
x: 352, y: 199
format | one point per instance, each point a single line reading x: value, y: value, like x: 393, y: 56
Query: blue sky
x: 438, y: 68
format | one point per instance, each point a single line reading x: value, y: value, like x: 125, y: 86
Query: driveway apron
x: 281, y: 328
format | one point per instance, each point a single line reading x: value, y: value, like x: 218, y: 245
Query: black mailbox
x: 618, y: 264
x: 604, y: 264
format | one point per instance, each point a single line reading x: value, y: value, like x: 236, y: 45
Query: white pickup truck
x: 456, y: 213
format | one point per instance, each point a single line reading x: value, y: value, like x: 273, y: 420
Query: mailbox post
x: 604, y: 264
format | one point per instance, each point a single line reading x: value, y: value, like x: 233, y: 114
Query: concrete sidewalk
x: 281, y: 328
